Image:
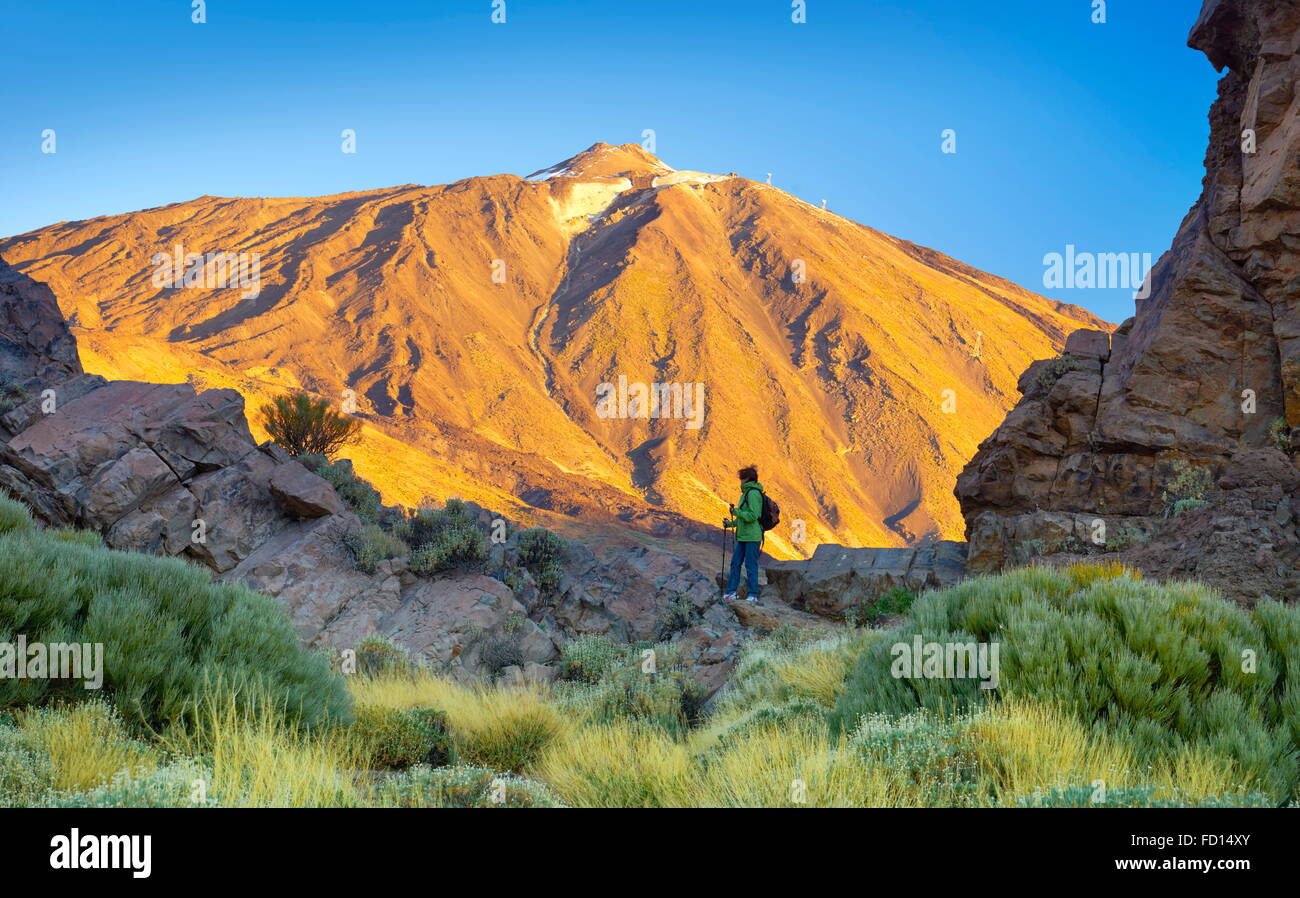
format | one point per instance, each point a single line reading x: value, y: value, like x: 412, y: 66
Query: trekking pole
x: 722, y: 579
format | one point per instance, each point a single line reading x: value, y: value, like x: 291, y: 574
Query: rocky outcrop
x: 838, y: 578
x: 36, y: 347
x: 1210, y: 365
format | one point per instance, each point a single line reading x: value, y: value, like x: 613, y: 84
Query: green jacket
x: 750, y: 506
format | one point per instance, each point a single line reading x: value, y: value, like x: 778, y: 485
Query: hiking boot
x: 729, y: 597
x: 753, y: 598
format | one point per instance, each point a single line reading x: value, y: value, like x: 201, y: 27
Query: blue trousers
x: 747, y: 553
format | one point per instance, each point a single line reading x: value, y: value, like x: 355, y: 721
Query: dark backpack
x: 770, y: 515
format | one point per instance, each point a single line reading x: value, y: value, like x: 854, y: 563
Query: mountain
x: 487, y: 329
x: 1197, y: 397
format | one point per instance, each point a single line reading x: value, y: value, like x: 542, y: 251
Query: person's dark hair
x: 749, y: 473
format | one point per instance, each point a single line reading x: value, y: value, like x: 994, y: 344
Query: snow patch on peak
x: 686, y: 177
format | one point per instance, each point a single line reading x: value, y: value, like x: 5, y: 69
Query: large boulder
x: 837, y: 578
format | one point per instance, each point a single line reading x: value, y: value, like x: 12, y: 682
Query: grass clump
x: 371, y: 546
x: 462, y: 787
x: 642, y: 682
x: 396, y: 739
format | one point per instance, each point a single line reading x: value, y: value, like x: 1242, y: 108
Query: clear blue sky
x: 1067, y: 131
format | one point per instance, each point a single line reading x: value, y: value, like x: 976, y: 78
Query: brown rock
x: 304, y: 493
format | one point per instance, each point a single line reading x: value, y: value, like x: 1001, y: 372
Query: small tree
x: 304, y: 426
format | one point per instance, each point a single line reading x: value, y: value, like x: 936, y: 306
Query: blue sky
x: 1068, y: 132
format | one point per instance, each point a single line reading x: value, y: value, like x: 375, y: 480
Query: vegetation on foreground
x: 1112, y: 692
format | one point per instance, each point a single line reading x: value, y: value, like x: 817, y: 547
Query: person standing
x: 749, y: 534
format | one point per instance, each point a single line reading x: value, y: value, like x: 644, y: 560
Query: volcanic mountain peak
x: 602, y: 160
x: 475, y: 325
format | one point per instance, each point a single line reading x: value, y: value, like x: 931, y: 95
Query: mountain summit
x: 604, y: 341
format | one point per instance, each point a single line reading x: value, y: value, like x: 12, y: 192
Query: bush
x: 371, y: 546
x: 394, y: 739
x: 87, y: 743
x: 302, y: 425
x: 619, y: 687
x: 1054, y: 371
x: 25, y: 775
x: 14, y: 516
x: 460, y: 546
x: 1186, y: 490
x: 1164, y: 667
x: 462, y: 787
x: 380, y: 656
x: 174, y: 785
x: 167, y: 630
x: 542, y: 553
x: 356, y: 492
x: 870, y: 609
x: 504, y: 729
x: 1280, y: 433
x: 588, y: 658
x: 11, y: 396
x: 923, y: 752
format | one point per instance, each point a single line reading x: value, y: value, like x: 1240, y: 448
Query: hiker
x: 749, y: 534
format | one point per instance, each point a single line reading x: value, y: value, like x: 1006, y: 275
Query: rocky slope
x: 475, y: 323
x: 1203, y: 384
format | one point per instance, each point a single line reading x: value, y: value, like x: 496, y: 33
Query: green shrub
x: 870, y: 609
x: 1054, y: 371
x: 542, y: 553
x: 1186, y: 489
x: 1280, y: 433
x: 621, y: 688
x: 182, y: 784
x: 302, y: 425
x: 395, y: 739
x: 361, y: 498
x: 14, y: 516
x: 167, y: 630
x: 460, y: 546
x: 924, y: 752
x: 588, y: 658
x: 25, y: 776
x: 462, y: 787
x: 1162, y: 666
x: 378, y: 655
x: 371, y: 546
x: 11, y: 396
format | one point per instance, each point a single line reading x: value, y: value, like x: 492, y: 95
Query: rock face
x: 1210, y: 365
x: 36, y: 346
